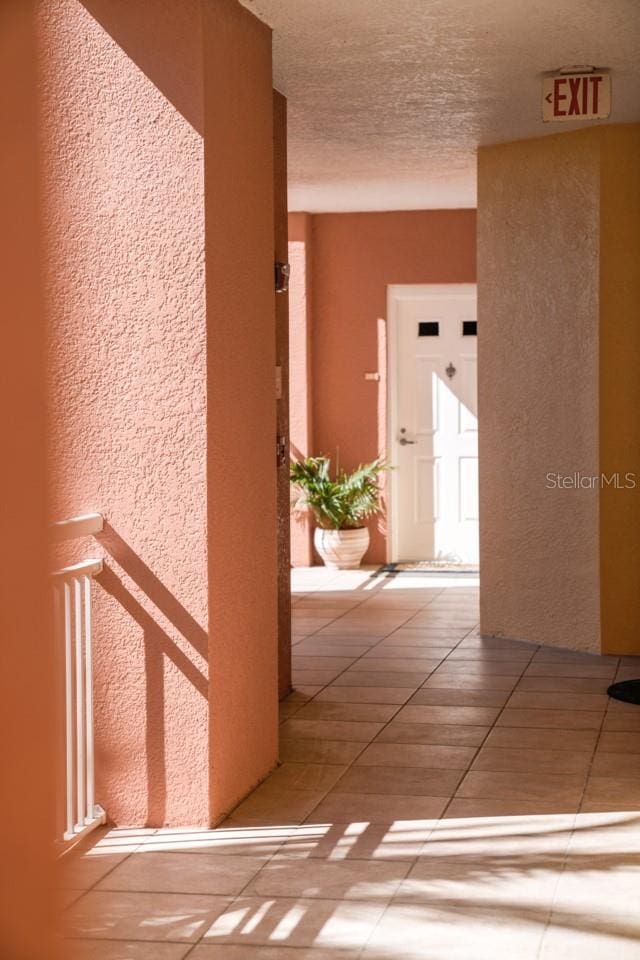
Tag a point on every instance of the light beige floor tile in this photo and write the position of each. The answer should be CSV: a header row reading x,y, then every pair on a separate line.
x,y
314,677
524,738
320,649
354,730
320,710
270,806
481,655
320,751
568,937
558,655
334,694
501,759
561,788
121,950
622,722
436,932
482,669
569,719
599,887
257,842
373,678
431,756
404,781
613,834
359,841
408,636
616,765
445,681
455,734
465,715
296,922
382,664
300,662
81,870
246,952
621,706
620,742
178,872
558,701
460,808
451,697
495,837
611,793
544,668
306,776
143,916
499,880
563,684
394,651
330,880
340,807
498,643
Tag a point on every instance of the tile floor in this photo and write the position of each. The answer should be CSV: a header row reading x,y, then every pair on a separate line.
x,y
440,797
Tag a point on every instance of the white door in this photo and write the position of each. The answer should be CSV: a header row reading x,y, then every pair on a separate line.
x,y
433,422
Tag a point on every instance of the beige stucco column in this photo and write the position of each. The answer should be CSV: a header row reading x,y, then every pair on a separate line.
x,y
559,290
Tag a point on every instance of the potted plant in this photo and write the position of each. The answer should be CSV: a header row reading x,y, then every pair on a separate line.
x,y
340,506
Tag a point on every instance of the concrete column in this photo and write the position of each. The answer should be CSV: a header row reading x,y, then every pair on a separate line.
x,y
558,281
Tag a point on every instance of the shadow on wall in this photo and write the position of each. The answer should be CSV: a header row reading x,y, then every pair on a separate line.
x,y
157,645
170,54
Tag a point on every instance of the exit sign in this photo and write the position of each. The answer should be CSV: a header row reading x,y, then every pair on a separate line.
x,y
576,96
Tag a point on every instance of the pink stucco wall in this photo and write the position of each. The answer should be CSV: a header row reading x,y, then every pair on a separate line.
x,y
161,282
353,257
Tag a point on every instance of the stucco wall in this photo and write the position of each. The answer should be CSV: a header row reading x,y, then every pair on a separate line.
x,y
620,387
27,806
160,214
538,262
282,403
128,385
241,342
354,256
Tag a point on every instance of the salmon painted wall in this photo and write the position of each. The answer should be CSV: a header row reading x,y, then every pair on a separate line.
x,y
26,663
282,402
354,256
162,293
241,358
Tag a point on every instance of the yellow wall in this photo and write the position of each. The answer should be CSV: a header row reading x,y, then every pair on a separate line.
x,y
620,387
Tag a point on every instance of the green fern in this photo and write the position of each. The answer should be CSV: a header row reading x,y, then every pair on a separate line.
x,y
341,503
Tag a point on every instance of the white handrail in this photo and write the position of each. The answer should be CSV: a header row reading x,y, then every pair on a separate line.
x,y
83,526
78,811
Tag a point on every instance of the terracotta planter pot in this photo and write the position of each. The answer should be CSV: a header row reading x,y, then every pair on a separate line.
x,y
341,549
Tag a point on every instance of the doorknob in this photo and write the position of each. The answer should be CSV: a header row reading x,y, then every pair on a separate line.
x,y
402,440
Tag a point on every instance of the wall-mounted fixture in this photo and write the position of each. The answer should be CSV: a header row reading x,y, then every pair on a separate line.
x,y
283,272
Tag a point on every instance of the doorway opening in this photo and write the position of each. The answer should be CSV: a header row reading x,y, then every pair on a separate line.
x,y
433,426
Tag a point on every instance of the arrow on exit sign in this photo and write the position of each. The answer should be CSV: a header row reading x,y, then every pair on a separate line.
x,y
576,96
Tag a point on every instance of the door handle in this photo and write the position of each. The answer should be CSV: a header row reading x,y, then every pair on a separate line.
x,y
404,442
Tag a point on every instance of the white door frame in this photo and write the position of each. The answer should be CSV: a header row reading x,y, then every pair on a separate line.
x,y
410,291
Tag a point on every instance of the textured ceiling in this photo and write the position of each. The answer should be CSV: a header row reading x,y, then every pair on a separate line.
x,y
388,99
